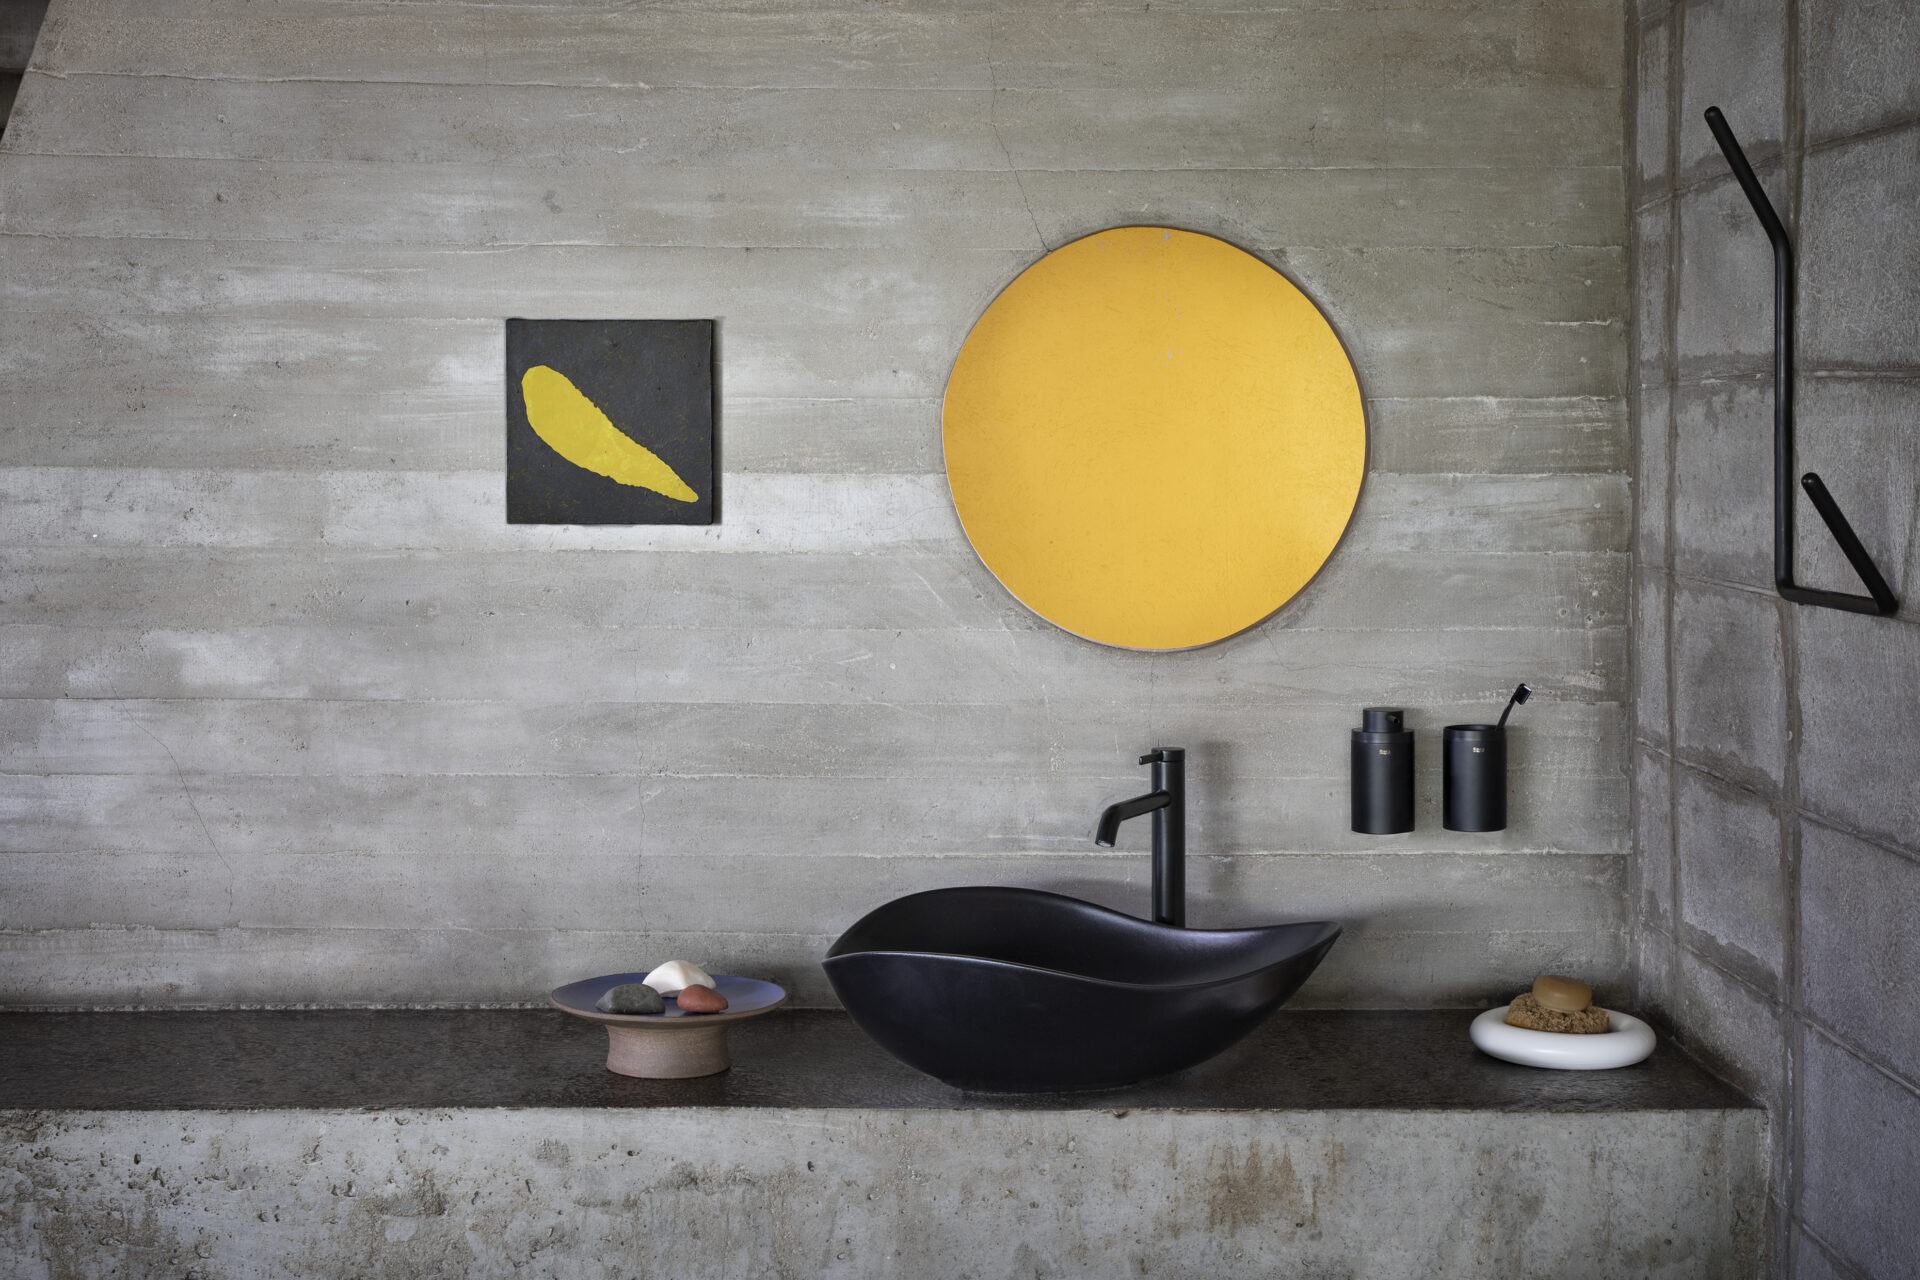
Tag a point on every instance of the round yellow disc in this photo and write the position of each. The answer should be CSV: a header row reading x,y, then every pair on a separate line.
x,y
1154,440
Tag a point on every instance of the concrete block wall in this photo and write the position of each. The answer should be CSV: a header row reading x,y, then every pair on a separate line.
x,y
1777,869
291,716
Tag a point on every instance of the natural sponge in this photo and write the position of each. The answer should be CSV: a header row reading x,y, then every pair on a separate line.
x,y
1558,1004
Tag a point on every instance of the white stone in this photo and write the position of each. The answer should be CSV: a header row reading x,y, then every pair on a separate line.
x,y
677,975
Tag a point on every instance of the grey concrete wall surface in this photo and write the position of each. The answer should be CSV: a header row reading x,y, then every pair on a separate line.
x,y
609,1195
1777,866
290,715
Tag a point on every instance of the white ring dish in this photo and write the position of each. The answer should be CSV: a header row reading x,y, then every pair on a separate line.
x,y
1629,1041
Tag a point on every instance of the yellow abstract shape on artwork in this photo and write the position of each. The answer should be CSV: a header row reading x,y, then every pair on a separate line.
x,y
578,431
1153,438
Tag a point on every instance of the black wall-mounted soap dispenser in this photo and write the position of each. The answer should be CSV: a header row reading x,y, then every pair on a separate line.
x,y
1382,773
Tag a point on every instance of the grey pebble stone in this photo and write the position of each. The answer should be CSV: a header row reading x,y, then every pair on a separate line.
x,y
631,997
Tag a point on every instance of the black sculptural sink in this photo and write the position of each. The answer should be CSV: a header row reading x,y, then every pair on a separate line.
x,y
1018,990
1023,991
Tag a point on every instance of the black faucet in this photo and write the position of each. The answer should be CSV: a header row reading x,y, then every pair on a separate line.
x,y
1167,802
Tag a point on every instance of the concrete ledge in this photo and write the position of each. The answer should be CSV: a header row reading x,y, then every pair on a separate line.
x,y
818,1155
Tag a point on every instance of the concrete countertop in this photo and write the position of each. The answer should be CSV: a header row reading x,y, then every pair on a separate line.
x,y
375,1060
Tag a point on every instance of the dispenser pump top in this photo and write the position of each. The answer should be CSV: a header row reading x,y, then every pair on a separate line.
x,y
1382,720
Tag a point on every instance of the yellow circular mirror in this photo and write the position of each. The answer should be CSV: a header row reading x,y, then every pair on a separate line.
x,y
1154,440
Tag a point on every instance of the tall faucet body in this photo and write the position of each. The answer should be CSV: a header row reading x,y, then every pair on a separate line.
x,y
1167,802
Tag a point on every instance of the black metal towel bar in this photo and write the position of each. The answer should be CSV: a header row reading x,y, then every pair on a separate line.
x,y
1881,600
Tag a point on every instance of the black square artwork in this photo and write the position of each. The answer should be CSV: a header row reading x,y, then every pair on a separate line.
x,y
610,422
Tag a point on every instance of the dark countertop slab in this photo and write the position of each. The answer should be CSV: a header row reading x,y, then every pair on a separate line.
x,y
377,1060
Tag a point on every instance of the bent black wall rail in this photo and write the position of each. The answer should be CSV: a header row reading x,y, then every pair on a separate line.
x,y
1880,599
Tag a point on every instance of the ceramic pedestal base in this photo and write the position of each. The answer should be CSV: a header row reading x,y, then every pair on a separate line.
x,y
669,1052
674,1045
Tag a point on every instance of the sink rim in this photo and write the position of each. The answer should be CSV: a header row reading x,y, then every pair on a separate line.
x,y
1324,935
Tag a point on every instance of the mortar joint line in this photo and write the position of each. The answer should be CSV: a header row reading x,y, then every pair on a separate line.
x,y
1709,177
1870,1058
1793,129
1891,846
1835,1258
1634,38
1669,369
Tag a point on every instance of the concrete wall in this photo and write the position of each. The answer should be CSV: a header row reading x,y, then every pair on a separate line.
x,y
291,715
1778,869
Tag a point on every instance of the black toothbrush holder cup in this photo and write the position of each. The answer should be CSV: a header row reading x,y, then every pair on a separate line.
x,y
1473,772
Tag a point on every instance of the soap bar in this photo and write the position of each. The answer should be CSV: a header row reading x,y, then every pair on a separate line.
x,y
675,976
701,1000
631,997
1528,1012
1564,994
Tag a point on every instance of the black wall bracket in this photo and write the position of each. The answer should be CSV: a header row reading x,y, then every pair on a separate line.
x,y
1880,599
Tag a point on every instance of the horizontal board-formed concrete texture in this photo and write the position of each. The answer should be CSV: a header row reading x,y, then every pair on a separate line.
x,y
1777,869
291,715
240,1151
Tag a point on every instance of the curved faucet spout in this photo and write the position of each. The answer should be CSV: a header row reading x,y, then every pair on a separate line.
x,y
1109,829
1167,802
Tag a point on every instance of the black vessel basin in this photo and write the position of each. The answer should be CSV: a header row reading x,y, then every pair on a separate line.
x,y
1018,990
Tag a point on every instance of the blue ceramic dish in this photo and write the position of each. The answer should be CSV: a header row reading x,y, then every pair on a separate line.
x,y
744,996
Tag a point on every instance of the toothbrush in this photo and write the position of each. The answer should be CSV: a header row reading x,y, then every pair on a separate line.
x,y
1520,695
